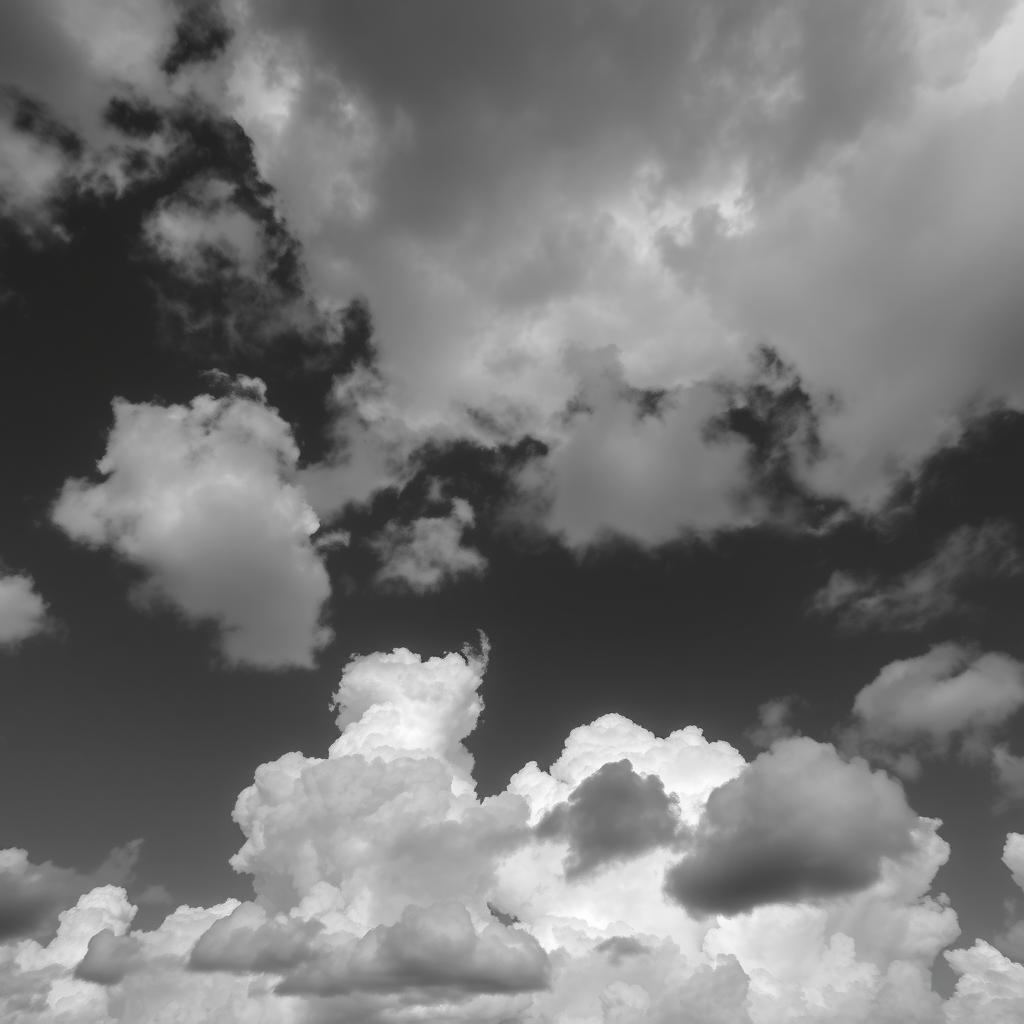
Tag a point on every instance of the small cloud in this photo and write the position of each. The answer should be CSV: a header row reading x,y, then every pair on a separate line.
x,y
931,591
23,613
774,722
203,499
928,704
422,555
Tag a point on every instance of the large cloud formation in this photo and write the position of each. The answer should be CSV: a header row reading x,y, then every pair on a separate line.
x,y
574,223
387,890
572,220
202,499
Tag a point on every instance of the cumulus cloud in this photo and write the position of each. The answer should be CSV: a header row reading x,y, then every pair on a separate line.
x,y
422,555
23,612
202,499
387,890
429,947
32,896
928,592
945,696
798,823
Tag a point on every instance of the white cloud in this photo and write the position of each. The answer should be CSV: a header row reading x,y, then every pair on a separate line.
x,y
379,876
945,695
422,555
202,498
23,612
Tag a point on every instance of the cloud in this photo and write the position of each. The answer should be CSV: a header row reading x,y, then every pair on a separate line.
x,y
32,896
108,958
376,868
943,696
671,187
989,985
928,592
435,947
664,180
246,941
422,555
614,814
774,722
23,613
202,499
799,823
1008,769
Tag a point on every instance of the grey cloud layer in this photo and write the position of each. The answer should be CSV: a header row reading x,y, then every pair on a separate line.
x,y
669,185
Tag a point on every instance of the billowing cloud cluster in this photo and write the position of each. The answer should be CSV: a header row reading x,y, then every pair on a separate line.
x,y
387,890
202,499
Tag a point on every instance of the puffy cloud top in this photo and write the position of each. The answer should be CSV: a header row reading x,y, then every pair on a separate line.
x,y
201,498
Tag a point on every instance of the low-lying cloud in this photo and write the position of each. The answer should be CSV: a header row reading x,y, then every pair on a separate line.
x,y
385,887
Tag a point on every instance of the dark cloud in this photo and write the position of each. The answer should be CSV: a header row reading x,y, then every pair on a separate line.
x,y
33,895
621,947
245,941
798,823
774,721
778,419
201,34
434,947
109,958
613,815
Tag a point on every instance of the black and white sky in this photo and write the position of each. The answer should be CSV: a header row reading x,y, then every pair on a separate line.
x,y
512,512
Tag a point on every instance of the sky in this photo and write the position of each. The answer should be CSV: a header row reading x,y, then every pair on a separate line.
x,y
512,512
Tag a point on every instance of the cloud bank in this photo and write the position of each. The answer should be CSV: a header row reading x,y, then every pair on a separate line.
x,y
386,889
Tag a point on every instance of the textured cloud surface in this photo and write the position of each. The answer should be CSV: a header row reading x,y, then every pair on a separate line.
x,y
573,220
201,498
387,890
944,696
